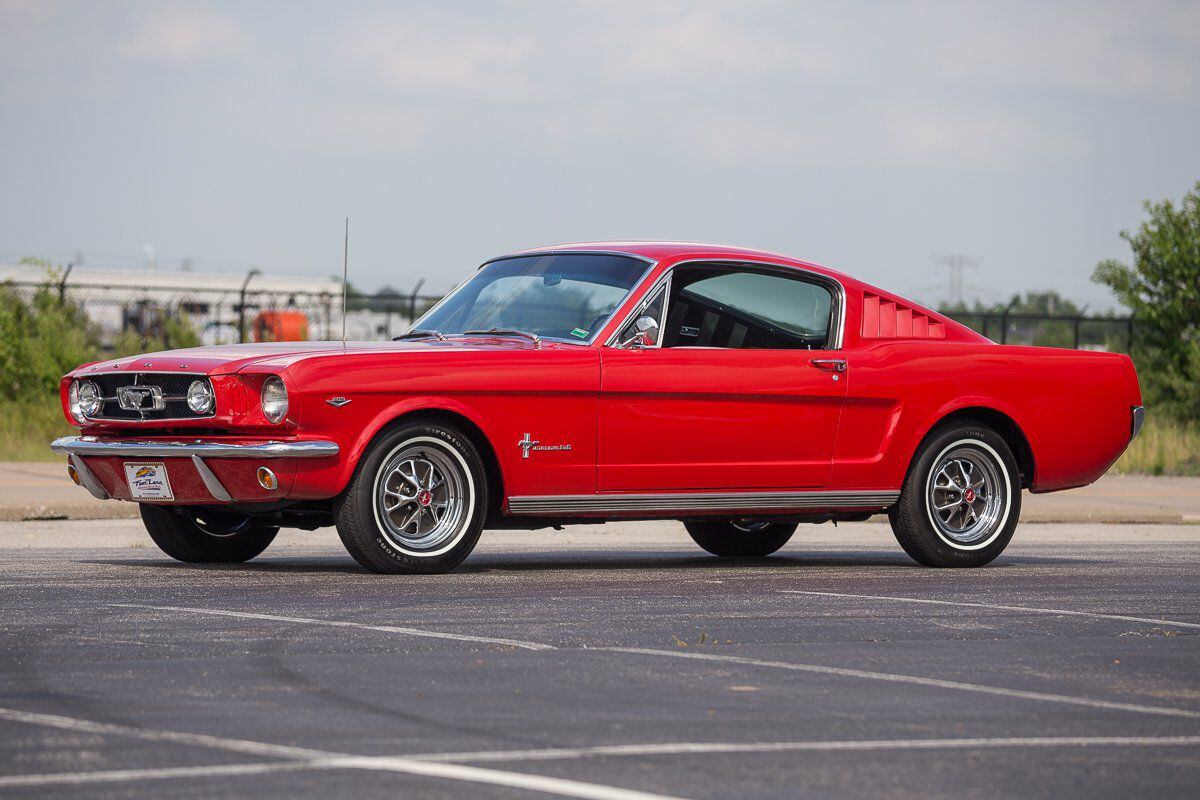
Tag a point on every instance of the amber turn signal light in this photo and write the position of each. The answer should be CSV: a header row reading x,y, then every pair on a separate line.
x,y
73,473
267,479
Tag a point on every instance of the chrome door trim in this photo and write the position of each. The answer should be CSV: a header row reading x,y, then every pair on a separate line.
x,y
670,503
837,324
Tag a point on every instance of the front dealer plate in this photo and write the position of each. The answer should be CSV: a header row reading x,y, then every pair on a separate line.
x,y
148,481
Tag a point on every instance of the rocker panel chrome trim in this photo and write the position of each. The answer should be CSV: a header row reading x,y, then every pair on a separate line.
x,y
732,501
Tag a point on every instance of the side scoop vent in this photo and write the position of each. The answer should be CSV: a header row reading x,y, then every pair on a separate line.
x,y
887,319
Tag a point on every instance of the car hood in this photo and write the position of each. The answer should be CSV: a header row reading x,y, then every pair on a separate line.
x,y
229,358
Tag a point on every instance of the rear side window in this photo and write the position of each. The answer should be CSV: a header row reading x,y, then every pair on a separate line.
x,y
748,309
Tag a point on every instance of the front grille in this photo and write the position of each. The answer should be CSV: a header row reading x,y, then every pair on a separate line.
x,y
174,386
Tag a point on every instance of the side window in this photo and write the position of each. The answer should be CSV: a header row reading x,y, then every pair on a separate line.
x,y
720,307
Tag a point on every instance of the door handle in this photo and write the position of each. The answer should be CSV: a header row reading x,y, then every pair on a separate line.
x,y
831,364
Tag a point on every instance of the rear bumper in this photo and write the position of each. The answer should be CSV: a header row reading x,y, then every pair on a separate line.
x,y
1138,414
201,472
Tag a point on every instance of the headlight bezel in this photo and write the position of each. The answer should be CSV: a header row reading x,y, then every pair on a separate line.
x,y
84,408
275,407
209,398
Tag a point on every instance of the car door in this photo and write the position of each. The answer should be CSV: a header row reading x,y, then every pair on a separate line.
x,y
733,387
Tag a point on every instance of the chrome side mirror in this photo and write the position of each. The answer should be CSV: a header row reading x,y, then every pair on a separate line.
x,y
645,334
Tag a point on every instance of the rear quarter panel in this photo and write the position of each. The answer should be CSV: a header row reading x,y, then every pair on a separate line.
x,y
1072,406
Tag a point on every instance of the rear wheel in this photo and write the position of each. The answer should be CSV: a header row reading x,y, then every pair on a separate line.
x,y
206,536
961,500
417,501
743,538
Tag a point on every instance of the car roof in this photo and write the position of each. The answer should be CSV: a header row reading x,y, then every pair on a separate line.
x,y
662,250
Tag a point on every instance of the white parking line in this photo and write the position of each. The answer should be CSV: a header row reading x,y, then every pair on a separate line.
x,y
439,765
319,759
978,688
788,665
563,787
702,748
175,737
160,773
459,637
1033,610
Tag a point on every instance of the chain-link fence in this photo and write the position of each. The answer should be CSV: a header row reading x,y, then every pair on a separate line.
x,y
223,309
228,308
1088,333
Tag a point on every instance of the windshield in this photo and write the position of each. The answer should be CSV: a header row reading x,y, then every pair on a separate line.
x,y
566,296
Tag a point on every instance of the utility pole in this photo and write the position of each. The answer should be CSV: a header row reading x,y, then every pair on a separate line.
x,y
956,264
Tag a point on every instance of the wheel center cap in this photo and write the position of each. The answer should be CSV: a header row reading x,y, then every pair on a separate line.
x,y
969,495
424,497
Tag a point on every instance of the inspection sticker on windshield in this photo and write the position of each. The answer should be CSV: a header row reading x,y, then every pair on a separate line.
x,y
580,332
148,481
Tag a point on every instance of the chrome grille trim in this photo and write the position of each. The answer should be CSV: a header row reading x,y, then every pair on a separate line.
x,y
145,378
724,501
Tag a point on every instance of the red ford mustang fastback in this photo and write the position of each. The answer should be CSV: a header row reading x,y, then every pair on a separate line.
x,y
738,391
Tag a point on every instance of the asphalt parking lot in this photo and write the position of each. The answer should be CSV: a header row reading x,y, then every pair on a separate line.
x,y
617,662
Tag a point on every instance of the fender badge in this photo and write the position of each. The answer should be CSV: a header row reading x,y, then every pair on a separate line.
x,y
528,444
339,401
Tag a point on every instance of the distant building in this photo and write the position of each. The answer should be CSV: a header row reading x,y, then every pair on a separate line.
x,y
212,302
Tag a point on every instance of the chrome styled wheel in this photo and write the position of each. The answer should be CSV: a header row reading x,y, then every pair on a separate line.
x,y
965,495
423,497
417,500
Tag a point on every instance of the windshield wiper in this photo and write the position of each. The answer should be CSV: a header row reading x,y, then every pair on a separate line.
x,y
421,334
506,332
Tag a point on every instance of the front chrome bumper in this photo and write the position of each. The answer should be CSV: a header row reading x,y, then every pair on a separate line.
x,y
136,448
1138,414
75,447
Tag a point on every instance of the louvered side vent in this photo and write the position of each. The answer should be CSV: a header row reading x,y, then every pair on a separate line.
x,y
886,319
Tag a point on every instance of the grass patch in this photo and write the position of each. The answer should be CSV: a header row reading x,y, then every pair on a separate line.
x,y
1164,447
26,430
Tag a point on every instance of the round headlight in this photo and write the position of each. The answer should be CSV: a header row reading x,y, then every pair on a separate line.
x,y
274,399
200,397
73,402
85,400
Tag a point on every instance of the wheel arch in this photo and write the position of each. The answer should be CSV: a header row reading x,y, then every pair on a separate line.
x,y
1001,423
458,420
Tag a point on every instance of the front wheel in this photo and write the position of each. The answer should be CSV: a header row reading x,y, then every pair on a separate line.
x,y
961,499
741,538
206,536
417,501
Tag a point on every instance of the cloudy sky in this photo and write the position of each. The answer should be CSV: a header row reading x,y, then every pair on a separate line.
x,y
872,137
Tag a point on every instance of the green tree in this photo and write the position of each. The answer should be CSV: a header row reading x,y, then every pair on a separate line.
x,y
1162,289
41,339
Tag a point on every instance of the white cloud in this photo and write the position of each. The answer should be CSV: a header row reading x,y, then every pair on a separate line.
x,y
183,34
1147,48
438,55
